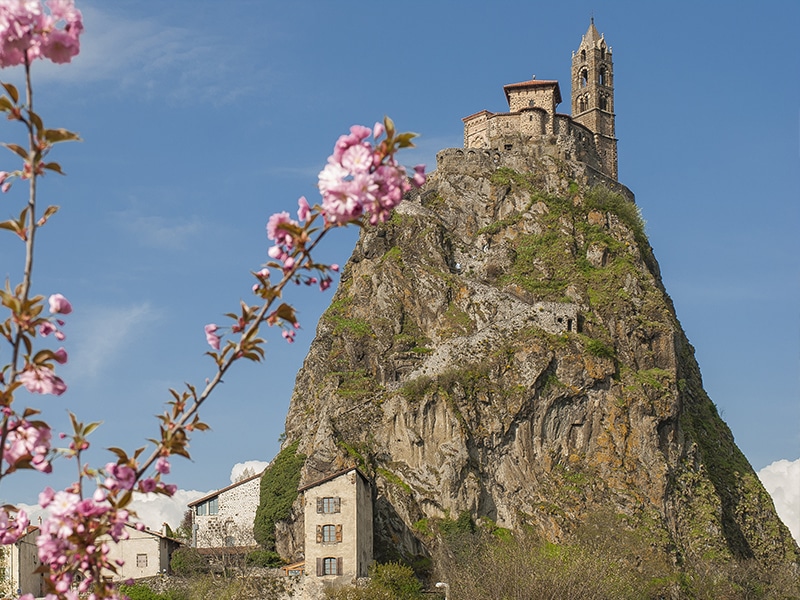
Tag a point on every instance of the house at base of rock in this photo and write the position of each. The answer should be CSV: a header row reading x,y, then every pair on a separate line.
x,y
338,529
224,518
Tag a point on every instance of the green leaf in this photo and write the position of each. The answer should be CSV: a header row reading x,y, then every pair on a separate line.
x,y
12,91
36,120
53,166
59,135
18,150
5,104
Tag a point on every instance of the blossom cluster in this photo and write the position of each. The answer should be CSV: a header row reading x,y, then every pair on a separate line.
x,y
29,444
28,32
69,540
362,178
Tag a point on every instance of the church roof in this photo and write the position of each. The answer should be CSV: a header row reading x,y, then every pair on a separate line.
x,y
533,83
592,35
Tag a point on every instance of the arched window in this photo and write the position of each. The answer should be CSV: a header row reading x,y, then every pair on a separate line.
x,y
602,51
584,77
582,104
331,566
603,76
583,54
603,102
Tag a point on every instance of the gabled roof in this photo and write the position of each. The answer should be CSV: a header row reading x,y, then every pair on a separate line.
x,y
225,489
534,83
333,476
477,114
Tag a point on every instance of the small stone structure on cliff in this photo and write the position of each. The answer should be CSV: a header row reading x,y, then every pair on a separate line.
x,y
587,136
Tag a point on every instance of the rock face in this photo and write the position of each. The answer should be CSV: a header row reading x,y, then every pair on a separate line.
x,y
504,347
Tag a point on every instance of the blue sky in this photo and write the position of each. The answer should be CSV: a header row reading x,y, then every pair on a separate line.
x,y
202,118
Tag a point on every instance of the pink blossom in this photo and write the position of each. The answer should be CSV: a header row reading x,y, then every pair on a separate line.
x,y
303,209
119,476
59,304
60,356
212,338
334,267
27,31
47,328
147,485
12,527
162,465
288,335
276,230
42,380
419,175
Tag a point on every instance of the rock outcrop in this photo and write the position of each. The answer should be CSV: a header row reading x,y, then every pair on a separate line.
x,y
504,347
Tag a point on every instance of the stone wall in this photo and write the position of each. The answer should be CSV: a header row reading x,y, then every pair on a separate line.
x,y
534,132
233,523
343,504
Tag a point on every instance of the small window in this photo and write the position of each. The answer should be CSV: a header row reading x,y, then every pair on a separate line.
x,y
141,560
583,54
329,534
329,505
602,76
329,566
200,509
584,77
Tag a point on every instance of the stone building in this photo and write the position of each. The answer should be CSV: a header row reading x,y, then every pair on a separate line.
x,y
143,553
338,529
532,120
224,518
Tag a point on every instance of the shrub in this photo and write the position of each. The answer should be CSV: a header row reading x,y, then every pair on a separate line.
x,y
264,558
186,562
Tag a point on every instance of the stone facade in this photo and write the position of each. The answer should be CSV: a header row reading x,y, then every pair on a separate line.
x,y
338,530
144,554
225,518
533,124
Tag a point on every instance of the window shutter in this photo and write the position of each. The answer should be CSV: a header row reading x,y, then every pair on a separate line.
x,y
319,505
319,567
319,534
337,505
339,569
338,533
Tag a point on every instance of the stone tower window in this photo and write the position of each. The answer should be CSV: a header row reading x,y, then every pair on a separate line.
x,y
603,102
603,76
583,54
584,77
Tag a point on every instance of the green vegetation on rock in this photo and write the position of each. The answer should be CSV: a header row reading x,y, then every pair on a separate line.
x,y
278,492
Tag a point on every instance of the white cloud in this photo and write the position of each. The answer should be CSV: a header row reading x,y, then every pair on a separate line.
x,y
782,480
101,335
153,510
160,232
155,60
256,466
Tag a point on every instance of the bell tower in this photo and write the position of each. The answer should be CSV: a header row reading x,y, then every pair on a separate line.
x,y
593,94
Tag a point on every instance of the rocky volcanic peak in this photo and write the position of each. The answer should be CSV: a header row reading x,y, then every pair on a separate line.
x,y
503,347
